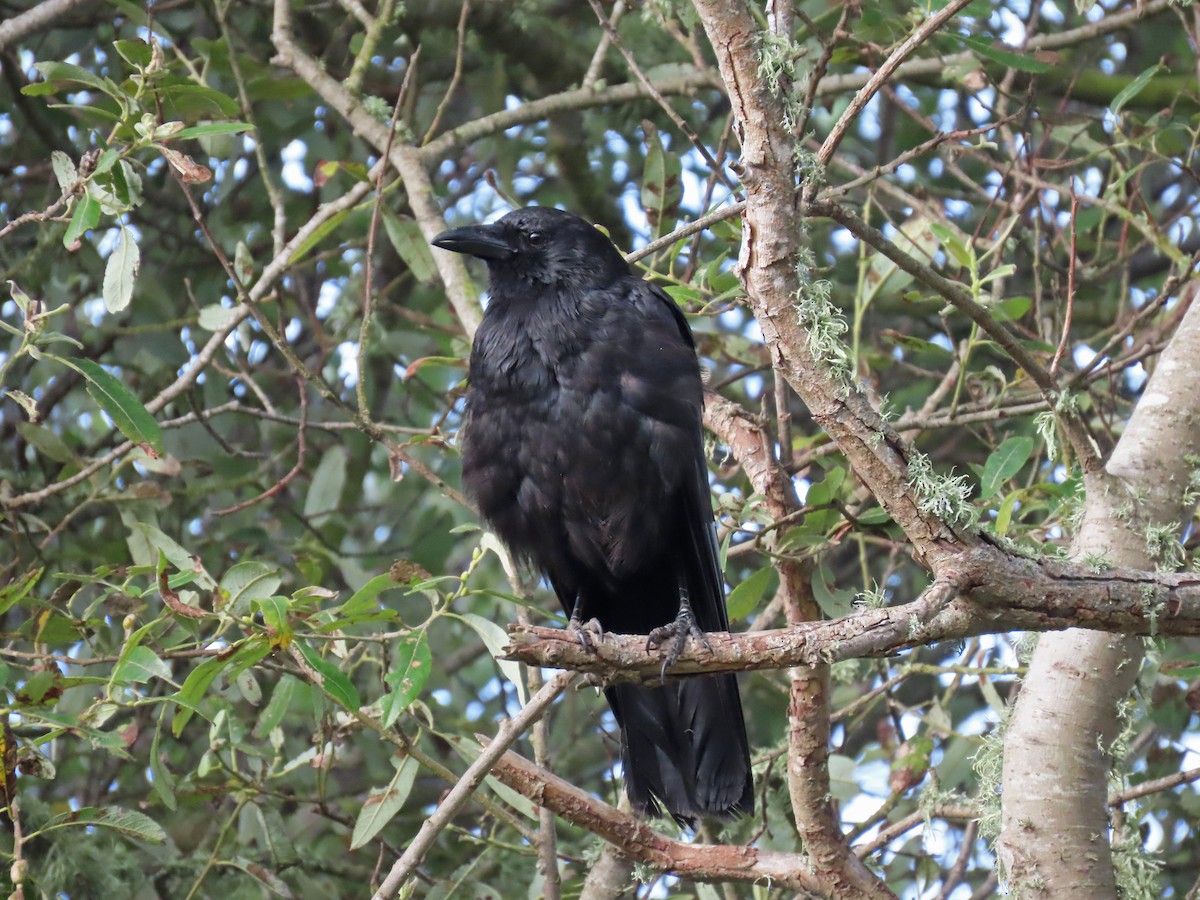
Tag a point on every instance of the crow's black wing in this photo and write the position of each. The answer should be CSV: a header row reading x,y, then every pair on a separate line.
x,y
684,744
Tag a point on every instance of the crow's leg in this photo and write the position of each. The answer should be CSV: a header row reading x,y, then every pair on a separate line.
x,y
678,632
587,631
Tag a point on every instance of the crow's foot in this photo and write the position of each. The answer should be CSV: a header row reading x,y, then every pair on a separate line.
x,y
677,633
589,633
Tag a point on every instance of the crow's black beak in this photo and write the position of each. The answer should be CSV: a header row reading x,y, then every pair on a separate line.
x,y
484,241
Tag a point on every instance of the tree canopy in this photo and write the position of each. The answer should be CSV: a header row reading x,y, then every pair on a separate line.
x,y
939,260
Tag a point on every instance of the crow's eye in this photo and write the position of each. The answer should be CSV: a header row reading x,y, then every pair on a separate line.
x,y
537,238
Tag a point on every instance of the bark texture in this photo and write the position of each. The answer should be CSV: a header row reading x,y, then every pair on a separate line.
x,y
1054,840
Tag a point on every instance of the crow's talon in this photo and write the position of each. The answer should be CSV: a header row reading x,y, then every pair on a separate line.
x,y
589,633
677,633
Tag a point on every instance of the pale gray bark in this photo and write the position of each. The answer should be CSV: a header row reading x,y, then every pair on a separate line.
x,y
1054,840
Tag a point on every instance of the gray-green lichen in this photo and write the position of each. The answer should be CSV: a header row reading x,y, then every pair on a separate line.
x,y
944,496
823,322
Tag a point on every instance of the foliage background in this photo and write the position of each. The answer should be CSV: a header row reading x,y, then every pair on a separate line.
x,y
232,382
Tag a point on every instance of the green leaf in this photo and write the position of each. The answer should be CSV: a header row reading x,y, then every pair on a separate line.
x,y
1134,88
249,687
20,298
826,489
120,272
216,317
138,54
251,651
64,169
265,878
382,804
495,639
682,293
278,706
414,663
335,682
101,740
1010,309
246,582
914,344
842,784
84,218
834,603
185,99
662,184
60,75
963,254
999,272
54,628
364,598
16,590
190,569
164,780
1011,59
318,234
274,611
406,237
1004,514
138,667
107,160
126,411
469,750
48,443
194,687
744,598
129,823
325,493
212,128
1179,668
271,833
116,182
1004,462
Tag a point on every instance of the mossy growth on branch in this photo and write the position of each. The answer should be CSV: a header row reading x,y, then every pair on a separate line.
x,y
823,322
944,496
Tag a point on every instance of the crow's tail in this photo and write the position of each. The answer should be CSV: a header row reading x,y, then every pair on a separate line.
x,y
684,747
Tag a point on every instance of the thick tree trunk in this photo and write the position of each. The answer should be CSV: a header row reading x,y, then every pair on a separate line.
x,y
1054,839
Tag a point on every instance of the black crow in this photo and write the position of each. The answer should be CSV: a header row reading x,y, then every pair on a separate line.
x,y
583,450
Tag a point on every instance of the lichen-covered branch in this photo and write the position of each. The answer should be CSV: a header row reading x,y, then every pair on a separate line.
x,y
817,823
984,591
797,323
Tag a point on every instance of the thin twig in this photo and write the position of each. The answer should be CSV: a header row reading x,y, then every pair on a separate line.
x,y
373,31
301,452
1153,786
506,735
454,79
884,74
653,91
597,63
700,224
369,294
1071,266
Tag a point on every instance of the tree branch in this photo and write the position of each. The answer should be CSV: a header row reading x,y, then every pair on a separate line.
x,y
506,735
983,591
638,841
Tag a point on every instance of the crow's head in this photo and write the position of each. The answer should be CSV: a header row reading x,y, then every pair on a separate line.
x,y
539,245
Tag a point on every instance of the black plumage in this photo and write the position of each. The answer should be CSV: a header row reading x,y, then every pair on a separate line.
x,y
582,447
